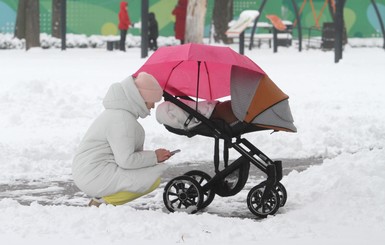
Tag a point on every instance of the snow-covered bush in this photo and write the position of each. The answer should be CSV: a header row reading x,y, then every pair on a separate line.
x,y
47,41
7,41
95,41
76,41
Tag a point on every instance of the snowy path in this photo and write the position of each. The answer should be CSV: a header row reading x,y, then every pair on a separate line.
x,y
59,192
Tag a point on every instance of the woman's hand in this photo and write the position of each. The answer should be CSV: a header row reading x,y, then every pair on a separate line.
x,y
162,155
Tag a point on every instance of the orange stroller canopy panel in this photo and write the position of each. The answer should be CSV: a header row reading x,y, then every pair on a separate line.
x,y
267,95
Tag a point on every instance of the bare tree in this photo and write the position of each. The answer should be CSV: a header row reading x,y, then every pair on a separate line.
x,y
222,15
28,22
195,21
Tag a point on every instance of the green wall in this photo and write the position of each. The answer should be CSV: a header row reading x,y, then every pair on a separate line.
x,y
99,17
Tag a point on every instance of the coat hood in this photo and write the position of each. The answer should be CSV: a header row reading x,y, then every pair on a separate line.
x,y
125,96
123,5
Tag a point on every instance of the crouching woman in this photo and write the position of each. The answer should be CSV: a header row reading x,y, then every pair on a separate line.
x,y
110,164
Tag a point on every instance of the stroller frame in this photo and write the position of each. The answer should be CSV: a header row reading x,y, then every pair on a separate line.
x,y
195,190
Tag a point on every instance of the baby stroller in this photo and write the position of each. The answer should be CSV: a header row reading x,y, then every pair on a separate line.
x,y
259,105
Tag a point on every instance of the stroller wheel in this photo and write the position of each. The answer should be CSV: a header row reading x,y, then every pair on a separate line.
x,y
202,178
260,207
281,190
183,194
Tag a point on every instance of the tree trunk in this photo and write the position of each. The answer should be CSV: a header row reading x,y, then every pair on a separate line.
x,y
20,20
56,8
28,22
222,15
32,35
195,21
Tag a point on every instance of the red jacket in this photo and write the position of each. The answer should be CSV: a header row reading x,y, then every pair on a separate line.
x,y
124,19
180,12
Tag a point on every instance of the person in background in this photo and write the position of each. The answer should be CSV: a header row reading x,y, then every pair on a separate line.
x,y
153,32
110,164
124,24
180,12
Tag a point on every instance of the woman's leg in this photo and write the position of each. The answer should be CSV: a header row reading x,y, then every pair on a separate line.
x,y
155,44
122,44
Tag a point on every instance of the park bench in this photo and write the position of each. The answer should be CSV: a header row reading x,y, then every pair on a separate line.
x,y
278,30
282,32
237,29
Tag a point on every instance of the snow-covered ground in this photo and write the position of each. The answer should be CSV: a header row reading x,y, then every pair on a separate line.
x,y
48,98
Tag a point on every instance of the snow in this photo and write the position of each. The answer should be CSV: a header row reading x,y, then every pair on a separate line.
x,y
48,98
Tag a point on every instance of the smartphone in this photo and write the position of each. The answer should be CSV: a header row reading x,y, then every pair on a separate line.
x,y
173,152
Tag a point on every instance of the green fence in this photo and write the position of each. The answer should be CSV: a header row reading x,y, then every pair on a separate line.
x,y
99,17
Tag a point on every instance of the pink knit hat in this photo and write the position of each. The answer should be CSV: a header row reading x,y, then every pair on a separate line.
x,y
148,87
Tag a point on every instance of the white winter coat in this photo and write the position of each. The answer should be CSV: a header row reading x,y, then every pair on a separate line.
x,y
110,157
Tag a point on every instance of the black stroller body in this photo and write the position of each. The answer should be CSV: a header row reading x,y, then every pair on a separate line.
x,y
195,190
